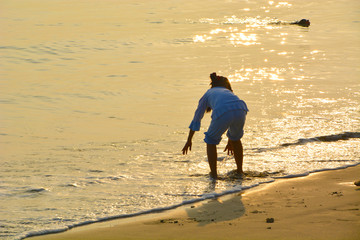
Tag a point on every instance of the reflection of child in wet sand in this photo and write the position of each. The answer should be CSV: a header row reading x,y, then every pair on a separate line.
x,y
229,113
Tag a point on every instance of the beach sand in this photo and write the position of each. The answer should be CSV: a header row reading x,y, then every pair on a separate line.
x,y
323,205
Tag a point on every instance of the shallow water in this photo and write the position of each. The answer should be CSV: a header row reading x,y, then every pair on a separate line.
x,y
96,98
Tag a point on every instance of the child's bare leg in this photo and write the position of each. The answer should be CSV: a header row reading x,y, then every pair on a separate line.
x,y
212,158
238,154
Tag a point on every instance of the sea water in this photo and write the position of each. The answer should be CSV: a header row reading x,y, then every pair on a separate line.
x,y
96,98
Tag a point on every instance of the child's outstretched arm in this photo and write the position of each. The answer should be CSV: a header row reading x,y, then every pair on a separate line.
x,y
188,144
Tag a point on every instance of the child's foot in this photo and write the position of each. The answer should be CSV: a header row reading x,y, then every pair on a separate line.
x,y
213,176
240,171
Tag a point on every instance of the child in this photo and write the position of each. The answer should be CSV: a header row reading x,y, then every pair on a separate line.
x,y
229,113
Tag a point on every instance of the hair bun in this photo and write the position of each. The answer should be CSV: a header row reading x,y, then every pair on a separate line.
x,y
213,77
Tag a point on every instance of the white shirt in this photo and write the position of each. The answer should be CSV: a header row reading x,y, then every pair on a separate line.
x,y
220,100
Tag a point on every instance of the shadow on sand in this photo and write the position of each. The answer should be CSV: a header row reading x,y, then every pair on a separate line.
x,y
217,210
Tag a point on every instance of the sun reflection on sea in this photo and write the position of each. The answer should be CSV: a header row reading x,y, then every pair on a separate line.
x,y
274,38
257,74
199,38
243,30
232,35
243,39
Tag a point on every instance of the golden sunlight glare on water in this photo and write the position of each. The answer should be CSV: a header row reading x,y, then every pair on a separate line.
x,y
257,74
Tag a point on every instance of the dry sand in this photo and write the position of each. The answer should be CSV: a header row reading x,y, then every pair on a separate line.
x,y
323,205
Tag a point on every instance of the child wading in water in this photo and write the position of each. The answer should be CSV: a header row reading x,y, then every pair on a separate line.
x,y
229,113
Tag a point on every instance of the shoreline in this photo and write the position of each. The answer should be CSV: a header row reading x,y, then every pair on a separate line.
x,y
321,205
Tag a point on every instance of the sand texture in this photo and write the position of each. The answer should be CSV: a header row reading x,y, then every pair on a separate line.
x,y
323,205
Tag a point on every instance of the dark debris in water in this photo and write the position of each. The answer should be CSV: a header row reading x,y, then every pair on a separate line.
x,y
95,171
36,190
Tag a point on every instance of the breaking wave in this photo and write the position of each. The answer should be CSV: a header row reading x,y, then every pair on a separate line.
x,y
327,138
302,141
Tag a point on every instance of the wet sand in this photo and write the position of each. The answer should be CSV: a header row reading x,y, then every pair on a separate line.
x,y
323,205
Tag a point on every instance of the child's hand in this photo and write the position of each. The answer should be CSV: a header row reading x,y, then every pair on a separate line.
x,y
187,147
229,148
